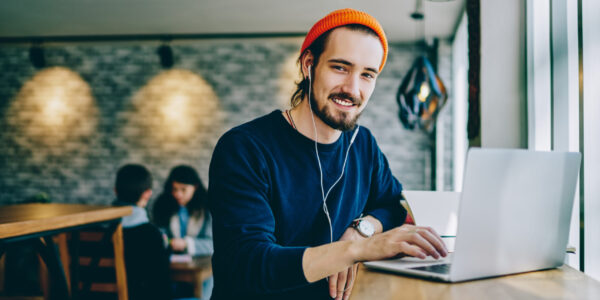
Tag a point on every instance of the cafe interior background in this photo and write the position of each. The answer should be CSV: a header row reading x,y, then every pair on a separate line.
x,y
87,86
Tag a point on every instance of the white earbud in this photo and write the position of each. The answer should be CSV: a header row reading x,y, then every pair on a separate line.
x,y
309,72
354,135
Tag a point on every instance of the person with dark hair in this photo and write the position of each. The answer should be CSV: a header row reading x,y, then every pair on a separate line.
x,y
299,197
181,212
146,257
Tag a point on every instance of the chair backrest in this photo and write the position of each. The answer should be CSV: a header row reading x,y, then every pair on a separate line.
x,y
98,265
410,218
2,271
438,210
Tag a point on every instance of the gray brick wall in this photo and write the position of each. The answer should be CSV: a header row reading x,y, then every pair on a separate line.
x,y
115,112
445,73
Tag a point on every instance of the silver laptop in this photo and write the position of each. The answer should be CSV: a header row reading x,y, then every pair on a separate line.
x,y
514,216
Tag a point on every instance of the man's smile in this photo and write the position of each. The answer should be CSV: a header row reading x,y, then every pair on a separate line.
x,y
344,101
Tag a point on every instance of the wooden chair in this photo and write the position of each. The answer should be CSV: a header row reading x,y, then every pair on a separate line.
x,y
2,276
410,218
98,264
2,272
60,241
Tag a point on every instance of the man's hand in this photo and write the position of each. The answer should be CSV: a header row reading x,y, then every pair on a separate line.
x,y
321,261
417,241
341,284
178,244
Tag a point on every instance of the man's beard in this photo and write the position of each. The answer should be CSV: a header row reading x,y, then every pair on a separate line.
x,y
344,123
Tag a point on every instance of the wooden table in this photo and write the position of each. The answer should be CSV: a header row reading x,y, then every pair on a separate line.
x,y
194,272
562,283
36,223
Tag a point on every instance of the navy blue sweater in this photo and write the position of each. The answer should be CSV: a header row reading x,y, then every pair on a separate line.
x,y
266,202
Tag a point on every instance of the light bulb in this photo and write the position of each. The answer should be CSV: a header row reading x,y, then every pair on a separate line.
x,y
423,92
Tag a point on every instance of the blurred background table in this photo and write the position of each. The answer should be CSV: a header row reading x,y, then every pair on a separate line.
x,y
193,270
36,223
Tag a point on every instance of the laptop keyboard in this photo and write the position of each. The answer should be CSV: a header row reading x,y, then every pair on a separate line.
x,y
441,269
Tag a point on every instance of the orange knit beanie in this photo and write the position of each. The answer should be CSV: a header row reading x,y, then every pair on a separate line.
x,y
344,17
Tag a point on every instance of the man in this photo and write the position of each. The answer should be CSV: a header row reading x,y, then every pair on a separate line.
x,y
146,257
299,197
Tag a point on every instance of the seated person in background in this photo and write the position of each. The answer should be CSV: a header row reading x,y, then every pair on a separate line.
x,y
181,212
146,258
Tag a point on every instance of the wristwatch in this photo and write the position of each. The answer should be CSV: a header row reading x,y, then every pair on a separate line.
x,y
364,227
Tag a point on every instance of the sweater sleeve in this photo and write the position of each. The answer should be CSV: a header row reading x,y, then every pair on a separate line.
x,y
246,251
203,243
385,193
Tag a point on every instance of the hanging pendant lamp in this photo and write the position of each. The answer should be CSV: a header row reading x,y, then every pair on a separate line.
x,y
421,96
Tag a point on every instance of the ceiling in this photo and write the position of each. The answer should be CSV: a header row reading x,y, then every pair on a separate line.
x,y
60,18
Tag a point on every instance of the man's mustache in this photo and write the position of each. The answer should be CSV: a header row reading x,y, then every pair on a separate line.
x,y
345,96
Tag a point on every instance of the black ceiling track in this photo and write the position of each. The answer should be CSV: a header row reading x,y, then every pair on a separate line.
x,y
147,37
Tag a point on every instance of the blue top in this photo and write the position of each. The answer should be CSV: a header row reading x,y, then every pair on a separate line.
x,y
197,233
183,219
266,202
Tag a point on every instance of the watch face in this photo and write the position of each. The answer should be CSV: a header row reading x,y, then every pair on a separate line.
x,y
366,228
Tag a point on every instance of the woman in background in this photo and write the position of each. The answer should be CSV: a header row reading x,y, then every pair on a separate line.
x,y
181,212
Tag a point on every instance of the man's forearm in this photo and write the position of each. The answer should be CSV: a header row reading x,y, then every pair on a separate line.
x,y
322,261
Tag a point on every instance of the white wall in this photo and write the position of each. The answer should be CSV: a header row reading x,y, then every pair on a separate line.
x,y
591,135
503,74
539,73
563,112
460,66
565,97
552,86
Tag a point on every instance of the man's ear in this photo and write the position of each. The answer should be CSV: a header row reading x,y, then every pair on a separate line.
x,y
306,61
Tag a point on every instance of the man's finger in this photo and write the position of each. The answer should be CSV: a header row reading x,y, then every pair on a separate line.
x,y
435,240
333,285
438,237
351,280
418,240
341,284
412,250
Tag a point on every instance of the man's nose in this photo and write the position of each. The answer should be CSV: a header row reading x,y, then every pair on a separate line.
x,y
351,86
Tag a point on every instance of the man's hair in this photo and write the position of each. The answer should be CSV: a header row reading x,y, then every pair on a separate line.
x,y
132,181
317,48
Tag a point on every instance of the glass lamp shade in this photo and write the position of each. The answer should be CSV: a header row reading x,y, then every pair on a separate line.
x,y
421,96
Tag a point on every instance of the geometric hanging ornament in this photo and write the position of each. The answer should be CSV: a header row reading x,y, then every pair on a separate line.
x,y
421,96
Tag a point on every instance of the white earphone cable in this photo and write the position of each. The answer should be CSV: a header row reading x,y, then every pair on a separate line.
x,y
323,194
325,209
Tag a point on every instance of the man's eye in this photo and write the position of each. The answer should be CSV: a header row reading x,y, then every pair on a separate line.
x,y
339,68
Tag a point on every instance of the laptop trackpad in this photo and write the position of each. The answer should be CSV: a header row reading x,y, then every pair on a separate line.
x,y
428,259
440,269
